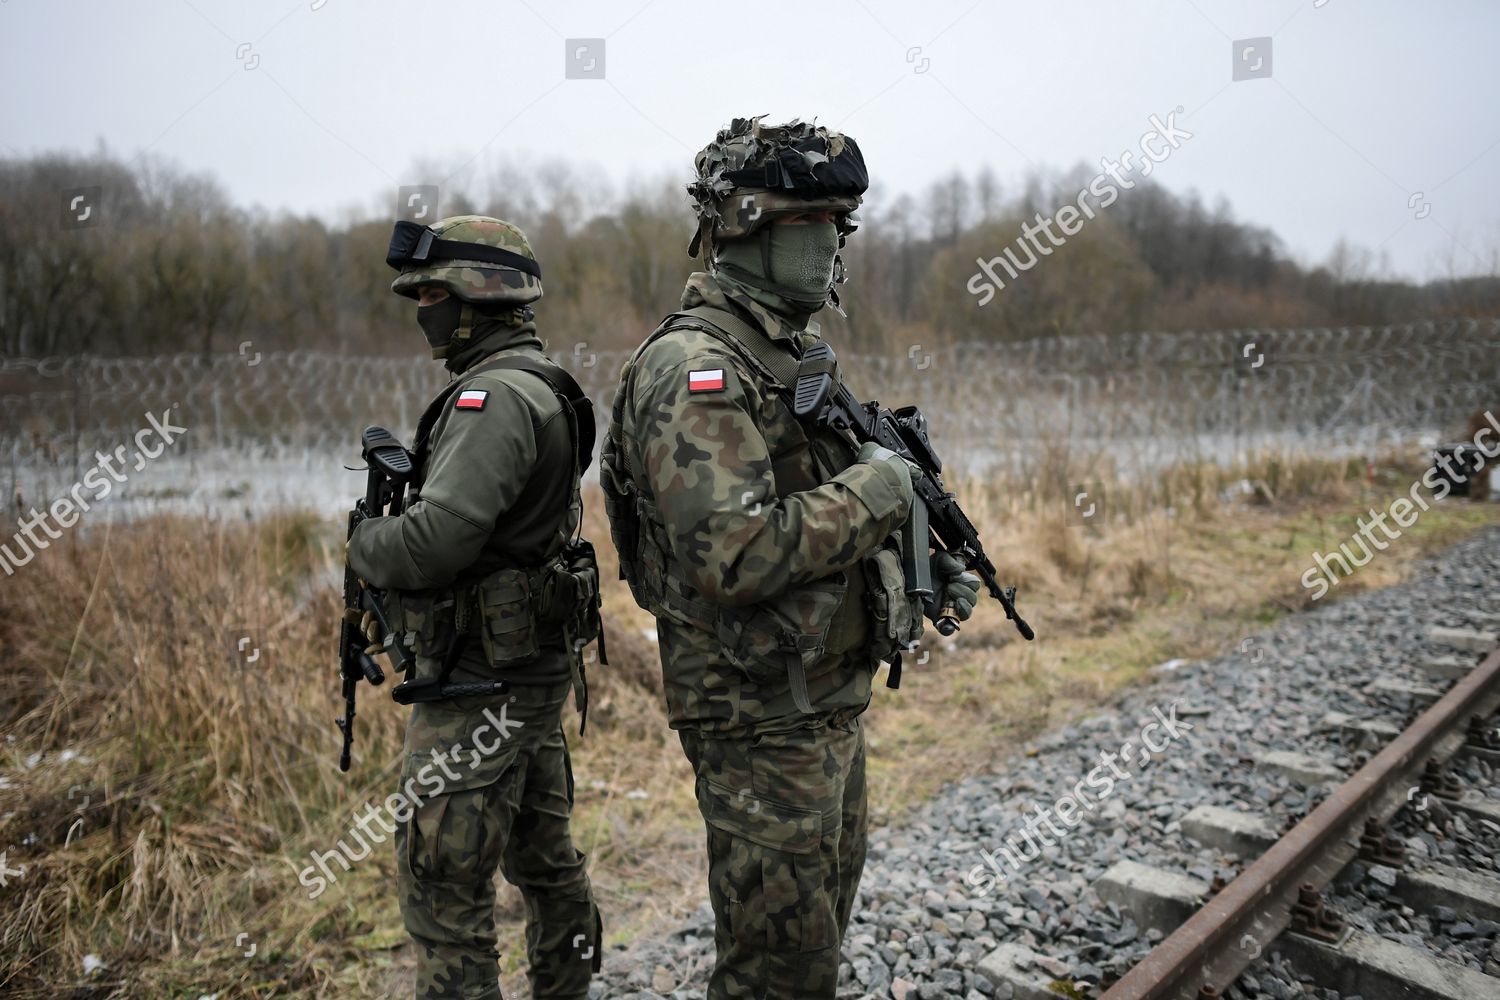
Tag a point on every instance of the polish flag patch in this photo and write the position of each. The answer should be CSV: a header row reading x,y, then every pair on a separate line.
x,y
471,399
708,380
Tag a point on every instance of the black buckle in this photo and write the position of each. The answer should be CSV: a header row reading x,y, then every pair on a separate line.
x,y
410,242
424,247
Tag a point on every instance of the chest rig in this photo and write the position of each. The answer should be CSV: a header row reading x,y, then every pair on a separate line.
x,y
509,608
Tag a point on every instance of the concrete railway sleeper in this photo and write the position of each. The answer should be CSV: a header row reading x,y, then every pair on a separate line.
x,y
1278,903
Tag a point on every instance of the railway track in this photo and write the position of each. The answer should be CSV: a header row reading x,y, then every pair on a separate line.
x,y
1067,870
1348,900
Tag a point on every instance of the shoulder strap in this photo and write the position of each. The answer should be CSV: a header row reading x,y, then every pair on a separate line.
x,y
745,339
565,386
783,367
756,345
734,332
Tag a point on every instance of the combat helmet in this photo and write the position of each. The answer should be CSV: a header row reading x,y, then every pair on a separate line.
x,y
752,173
483,261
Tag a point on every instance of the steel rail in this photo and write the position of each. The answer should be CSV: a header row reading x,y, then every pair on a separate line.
x,y
1210,949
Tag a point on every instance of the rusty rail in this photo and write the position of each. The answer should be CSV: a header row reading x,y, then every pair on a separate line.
x,y
1211,948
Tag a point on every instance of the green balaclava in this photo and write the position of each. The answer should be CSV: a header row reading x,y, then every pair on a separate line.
x,y
490,328
439,322
787,267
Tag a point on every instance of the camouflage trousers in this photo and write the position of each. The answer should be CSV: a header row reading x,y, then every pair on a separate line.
x,y
786,818
501,791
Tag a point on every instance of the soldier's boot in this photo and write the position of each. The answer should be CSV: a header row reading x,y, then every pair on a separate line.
x,y
564,943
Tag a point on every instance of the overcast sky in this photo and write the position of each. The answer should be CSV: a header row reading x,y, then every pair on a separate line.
x,y
1378,123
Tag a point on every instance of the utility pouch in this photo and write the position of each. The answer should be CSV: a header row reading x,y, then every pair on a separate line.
x,y
656,581
508,624
570,597
622,505
570,593
896,618
777,641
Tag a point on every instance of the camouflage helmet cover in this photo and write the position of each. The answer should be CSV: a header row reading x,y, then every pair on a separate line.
x,y
479,282
752,173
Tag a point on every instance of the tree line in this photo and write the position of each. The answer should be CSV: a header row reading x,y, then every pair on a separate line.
x,y
106,256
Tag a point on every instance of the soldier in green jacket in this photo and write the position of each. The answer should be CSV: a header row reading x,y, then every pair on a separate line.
x,y
768,551
482,589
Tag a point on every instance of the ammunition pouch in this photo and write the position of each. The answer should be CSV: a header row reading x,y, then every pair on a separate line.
x,y
509,629
501,610
515,614
896,619
423,620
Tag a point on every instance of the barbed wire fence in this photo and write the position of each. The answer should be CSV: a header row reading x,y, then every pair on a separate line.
x,y
1137,401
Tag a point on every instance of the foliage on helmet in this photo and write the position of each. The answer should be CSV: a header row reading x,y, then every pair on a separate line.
x,y
752,174
480,282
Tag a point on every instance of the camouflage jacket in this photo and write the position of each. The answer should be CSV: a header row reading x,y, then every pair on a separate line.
x,y
498,491
751,532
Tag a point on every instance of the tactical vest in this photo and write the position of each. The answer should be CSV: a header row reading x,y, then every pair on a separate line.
x,y
646,563
512,610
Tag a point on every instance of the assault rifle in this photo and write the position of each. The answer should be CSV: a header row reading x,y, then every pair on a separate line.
x,y
389,467
822,398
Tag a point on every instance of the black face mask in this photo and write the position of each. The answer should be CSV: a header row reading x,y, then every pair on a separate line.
x,y
439,322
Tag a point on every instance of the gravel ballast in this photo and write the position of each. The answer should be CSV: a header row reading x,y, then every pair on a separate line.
x,y
1189,736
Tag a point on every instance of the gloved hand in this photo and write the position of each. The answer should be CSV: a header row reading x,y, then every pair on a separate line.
x,y
873,454
370,626
952,586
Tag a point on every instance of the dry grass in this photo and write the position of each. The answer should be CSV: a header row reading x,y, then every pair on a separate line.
x,y
162,795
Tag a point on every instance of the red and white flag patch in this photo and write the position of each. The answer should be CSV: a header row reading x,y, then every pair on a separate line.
x,y
471,399
708,380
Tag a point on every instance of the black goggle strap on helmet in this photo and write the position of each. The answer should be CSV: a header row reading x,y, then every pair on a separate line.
x,y
412,243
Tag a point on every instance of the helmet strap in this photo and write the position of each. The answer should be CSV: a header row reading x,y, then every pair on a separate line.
x,y
465,327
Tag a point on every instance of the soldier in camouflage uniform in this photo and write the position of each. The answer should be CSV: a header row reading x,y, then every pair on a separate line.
x,y
481,589
767,550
